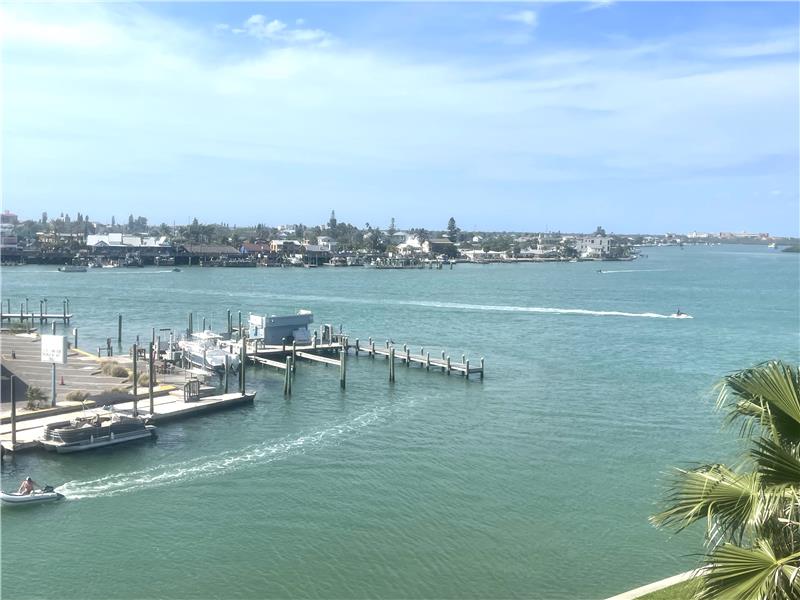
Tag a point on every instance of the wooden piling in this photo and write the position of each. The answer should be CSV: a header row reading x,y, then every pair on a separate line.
x,y
135,379
190,330
342,368
242,365
466,371
230,323
151,378
204,324
481,367
227,369
428,361
287,377
408,357
443,357
53,327
75,336
391,365
357,348
240,326
294,353
13,380
448,365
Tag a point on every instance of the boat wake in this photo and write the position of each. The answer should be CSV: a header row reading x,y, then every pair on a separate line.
x,y
221,464
603,271
487,307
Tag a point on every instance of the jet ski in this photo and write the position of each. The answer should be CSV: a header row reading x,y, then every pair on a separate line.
x,y
46,494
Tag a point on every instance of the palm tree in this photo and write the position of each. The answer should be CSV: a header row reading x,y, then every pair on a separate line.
x,y
752,511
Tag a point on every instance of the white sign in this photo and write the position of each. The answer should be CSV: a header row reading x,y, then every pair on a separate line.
x,y
54,349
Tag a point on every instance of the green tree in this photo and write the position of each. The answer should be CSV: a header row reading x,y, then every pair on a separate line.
x,y
452,230
752,512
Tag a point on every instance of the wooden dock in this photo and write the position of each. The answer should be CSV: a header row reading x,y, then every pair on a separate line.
x,y
32,317
169,407
423,359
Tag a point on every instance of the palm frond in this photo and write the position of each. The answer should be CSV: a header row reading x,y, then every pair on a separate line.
x,y
778,464
728,500
750,574
767,394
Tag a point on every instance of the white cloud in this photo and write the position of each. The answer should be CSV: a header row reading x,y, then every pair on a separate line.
x,y
159,98
526,17
594,5
275,30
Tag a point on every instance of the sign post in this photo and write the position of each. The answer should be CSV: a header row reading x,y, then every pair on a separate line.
x,y
54,351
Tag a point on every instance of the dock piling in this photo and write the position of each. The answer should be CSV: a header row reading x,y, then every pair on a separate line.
x,y
135,379
151,378
466,371
391,365
53,328
343,368
190,330
481,367
242,360
75,337
13,380
119,329
227,368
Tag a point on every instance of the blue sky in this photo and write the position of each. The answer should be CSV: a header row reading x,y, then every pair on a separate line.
x,y
641,117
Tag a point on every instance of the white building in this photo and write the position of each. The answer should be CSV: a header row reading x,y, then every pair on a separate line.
x,y
596,246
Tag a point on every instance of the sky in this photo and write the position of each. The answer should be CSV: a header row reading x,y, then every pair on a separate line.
x,y
641,117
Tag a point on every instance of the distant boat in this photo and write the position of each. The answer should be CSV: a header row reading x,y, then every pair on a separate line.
x,y
72,269
772,245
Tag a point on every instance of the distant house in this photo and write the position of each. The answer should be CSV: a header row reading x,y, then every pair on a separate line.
x,y
597,246
284,246
197,253
439,246
258,248
315,254
326,242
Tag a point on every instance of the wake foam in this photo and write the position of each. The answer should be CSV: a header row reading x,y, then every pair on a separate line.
x,y
222,464
483,307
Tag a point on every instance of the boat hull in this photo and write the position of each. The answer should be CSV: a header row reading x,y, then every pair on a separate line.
x,y
34,498
98,441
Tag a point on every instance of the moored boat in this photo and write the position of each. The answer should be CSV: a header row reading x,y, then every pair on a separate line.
x,y
94,431
203,352
72,269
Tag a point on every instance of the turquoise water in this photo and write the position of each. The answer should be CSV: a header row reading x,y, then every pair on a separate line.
x,y
536,482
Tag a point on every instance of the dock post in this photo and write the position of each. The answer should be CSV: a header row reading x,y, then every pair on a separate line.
x,y
53,327
151,370
53,387
119,329
283,344
230,323
466,371
190,329
41,311
204,323
443,359
12,381
8,302
227,368
294,353
391,365
408,357
371,349
463,358
98,352
287,377
242,365
315,340
481,367
63,307
448,365
21,309
67,299
357,348
135,380
343,369
75,336
240,326
428,361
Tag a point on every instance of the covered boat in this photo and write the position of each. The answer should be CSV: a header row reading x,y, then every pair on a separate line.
x,y
203,352
94,431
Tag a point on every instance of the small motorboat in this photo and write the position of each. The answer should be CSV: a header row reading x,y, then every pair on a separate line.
x,y
97,431
46,494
